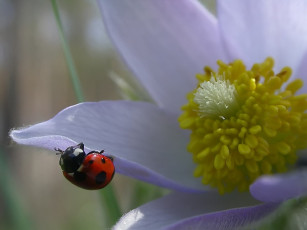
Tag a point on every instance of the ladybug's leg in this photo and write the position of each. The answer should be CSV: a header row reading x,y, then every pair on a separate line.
x,y
93,152
59,151
111,158
81,146
101,152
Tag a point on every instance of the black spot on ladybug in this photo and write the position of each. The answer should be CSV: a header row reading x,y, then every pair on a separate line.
x,y
101,177
91,162
79,176
103,160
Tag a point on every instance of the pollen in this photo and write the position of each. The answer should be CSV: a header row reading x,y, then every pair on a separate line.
x,y
244,123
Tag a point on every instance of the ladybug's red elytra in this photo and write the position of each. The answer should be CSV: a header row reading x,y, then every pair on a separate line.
x,y
89,171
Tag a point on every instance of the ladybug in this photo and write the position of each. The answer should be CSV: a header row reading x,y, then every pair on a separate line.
x,y
89,171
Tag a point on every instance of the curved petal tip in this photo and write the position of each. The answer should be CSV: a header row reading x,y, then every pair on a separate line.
x,y
280,187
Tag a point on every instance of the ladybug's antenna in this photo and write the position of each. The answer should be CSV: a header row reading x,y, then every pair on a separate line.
x,y
58,151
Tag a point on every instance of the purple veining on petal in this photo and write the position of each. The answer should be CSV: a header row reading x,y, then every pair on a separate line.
x,y
165,43
176,207
226,220
145,141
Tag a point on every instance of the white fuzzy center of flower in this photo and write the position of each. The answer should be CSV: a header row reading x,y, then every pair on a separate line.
x,y
216,98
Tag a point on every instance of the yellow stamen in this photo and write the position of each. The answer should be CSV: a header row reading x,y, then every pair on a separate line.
x,y
244,123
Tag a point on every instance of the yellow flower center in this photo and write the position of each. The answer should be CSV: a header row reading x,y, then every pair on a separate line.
x,y
244,123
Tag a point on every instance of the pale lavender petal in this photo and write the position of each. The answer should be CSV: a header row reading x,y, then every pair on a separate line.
x,y
259,28
145,141
175,207
280,187
165,43
232,219
302,73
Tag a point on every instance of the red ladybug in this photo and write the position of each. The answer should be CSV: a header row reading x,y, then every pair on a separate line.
x,y
89,171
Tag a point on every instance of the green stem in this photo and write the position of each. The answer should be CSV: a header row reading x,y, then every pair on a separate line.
x,y
107,193
11,197
110,201
71,66
144,193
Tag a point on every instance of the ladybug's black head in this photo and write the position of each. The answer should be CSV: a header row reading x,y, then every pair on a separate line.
x,y
72,158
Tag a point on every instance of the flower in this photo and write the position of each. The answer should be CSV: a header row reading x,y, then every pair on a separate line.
x,y
166,43
244,124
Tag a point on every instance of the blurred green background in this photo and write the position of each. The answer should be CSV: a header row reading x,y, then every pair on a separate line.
x,y
35,85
